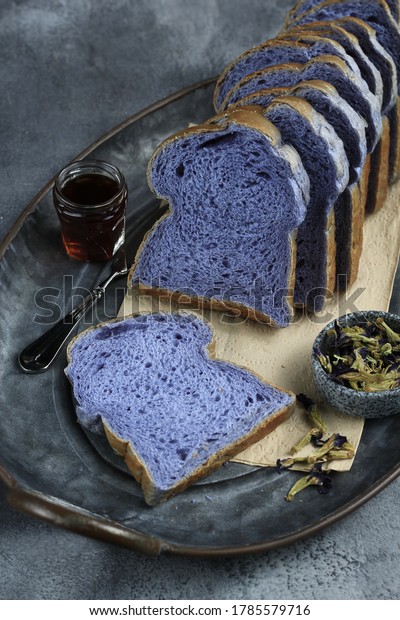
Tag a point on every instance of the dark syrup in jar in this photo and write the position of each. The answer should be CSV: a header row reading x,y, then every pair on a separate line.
x,y
90,189
91,207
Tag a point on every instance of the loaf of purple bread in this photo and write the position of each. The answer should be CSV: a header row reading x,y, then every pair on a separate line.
x,y
237,196
174,413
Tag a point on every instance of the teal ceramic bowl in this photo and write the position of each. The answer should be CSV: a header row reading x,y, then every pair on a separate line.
x,y
346,400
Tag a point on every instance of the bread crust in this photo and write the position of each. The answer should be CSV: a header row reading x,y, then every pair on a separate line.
x,y
294,66
285,38
371,100
379,173
395,135
137,466
201,304
357,236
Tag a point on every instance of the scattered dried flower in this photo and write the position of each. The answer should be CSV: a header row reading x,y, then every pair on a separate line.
x,y
316,477
334,447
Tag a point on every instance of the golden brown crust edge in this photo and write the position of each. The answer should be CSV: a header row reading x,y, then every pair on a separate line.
x,y
379,174
357,233
268,43
183,300
335,61
395,136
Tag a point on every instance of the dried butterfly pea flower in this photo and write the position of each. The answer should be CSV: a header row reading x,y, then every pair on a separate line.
x,y
391,335
324,361
337,453
333,443
282,464
316,477
315,435
336,447
361,338
312,412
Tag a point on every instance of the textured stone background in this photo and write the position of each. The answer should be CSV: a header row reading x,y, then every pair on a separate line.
x,y
69,71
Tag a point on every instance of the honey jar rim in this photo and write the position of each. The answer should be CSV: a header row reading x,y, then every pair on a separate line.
x,y
88,164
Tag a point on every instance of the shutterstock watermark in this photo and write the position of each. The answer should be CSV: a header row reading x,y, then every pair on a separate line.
x,y
236,303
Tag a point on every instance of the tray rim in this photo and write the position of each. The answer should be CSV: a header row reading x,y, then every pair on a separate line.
x,y
71,517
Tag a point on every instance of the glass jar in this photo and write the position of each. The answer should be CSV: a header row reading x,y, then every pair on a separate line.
x,y
90,197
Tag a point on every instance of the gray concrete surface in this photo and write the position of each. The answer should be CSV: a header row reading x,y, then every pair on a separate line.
x,y
69,71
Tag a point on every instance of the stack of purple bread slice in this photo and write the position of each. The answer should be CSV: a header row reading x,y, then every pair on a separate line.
x,y
268,198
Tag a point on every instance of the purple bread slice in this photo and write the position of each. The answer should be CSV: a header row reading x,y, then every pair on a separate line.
x,y
377,54
275,52
237,195
325,162
172,411
350,127
327,68
306,5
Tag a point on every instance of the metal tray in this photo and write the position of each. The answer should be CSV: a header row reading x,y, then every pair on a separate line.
x,y
56,473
